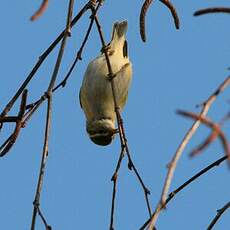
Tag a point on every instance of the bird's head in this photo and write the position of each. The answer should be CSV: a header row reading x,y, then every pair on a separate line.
x,y
118,42
101,132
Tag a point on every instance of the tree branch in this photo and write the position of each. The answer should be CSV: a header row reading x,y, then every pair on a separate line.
x,y
218,215
172,165
123,139
48,115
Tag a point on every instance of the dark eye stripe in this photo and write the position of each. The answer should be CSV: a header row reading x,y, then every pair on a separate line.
x,y
125,49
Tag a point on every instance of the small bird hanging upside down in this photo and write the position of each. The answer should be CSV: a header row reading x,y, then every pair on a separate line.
x,y
96,96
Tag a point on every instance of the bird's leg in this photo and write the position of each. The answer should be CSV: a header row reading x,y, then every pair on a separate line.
x,y
112,76
105,48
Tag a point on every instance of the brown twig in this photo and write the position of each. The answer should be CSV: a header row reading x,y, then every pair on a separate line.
x,y
9,119
10,141
48,115
212,10
79,53
172,165
48,227
188,182
218,215
204,144
6,146
209,139
40,11
123,139
196,176
41,59
114,179
215,127
144,10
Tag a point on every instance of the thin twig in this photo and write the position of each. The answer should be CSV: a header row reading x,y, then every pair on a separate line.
x,y
215,127
201,173
114,179
209,139
79,53
36,202
9,119
218,215
188,182
10,141
204,144
179,151
123,139
6,146
48,227
40,11
41,59
33,109
48,115
212,10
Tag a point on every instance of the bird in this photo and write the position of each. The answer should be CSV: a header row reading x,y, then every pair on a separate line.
x,y
96,97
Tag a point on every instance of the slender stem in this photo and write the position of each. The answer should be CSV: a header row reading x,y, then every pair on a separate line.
x,y
41,59
196,176
48,116
123,139
114,179
62,48
188,182
215,127
218,215
172,165
40,11
7,145
79,53
36,202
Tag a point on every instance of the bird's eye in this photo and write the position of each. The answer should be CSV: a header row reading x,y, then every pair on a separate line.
x,y
125,49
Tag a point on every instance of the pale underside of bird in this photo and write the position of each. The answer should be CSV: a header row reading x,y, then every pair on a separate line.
x,y
96,97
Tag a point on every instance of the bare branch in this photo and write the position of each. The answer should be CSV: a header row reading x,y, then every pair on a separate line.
x,y
218,215
188,182
40,11
48,115
204,145
123,139
42,58
114,179
209,139
195,177
10,141
79,53
212,10
215,127
172,165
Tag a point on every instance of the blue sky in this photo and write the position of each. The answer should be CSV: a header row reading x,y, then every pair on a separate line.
x,y
173,70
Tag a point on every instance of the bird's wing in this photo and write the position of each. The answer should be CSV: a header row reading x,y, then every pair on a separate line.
x,y
122,82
